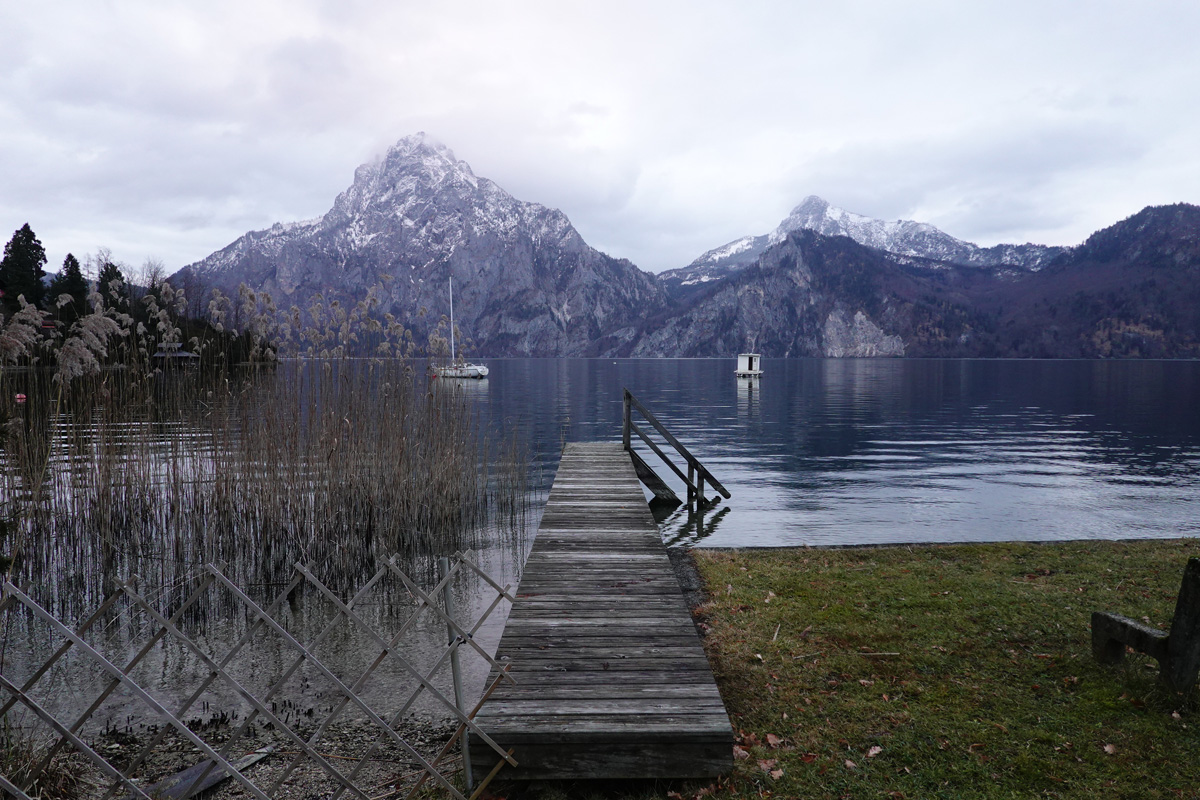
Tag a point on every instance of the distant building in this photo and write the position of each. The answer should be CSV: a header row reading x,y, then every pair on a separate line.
x,y
749,365
171,356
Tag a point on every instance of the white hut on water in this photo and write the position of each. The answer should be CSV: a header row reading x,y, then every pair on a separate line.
x,y
170,354
749,365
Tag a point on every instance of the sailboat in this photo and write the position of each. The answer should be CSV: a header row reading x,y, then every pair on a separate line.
x,y
455,369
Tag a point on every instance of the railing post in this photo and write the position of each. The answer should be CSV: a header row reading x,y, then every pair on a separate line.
x,y
625,420
696,474
455,670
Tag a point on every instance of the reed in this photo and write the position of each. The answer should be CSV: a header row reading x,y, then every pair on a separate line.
x,y
20,752
118,466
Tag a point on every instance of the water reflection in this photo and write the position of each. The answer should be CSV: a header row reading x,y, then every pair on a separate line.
x,y
692,523
261,657
747,392
336,465
863,450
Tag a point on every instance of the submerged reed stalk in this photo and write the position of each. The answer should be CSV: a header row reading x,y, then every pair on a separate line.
x,y
120,464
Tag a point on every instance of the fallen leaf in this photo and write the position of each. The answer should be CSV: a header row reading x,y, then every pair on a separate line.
x,y
808,758
865,682
739,753
874,751
776,774
1175,715
1111,749
770,594
850,764
758,656
767,764
773,741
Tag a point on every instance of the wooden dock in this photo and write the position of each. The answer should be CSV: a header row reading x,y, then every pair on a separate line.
x,y
612,681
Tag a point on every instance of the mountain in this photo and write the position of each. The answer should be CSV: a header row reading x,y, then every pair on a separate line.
x,y
823,296
916,240
1130,290
825,283
525,281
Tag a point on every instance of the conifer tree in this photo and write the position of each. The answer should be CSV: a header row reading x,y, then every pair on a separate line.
x,y
69,281
21,270
110,283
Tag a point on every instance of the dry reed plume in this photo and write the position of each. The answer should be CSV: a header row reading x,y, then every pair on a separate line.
x,y
118,464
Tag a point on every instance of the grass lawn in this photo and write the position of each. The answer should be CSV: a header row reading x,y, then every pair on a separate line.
x,y
955,671
960,671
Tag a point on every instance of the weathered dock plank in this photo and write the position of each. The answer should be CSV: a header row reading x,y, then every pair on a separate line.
x,y
612,681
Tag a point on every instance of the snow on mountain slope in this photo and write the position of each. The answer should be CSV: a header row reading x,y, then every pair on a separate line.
x,y
900,237
525,280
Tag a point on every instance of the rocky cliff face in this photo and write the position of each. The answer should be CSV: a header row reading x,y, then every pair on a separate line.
x,y
1131,290
814,295
525,282
918,241
825,283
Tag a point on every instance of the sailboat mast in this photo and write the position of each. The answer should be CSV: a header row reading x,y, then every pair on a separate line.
x,y
452,319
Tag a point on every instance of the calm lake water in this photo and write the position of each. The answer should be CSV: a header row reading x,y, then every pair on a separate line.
x,y
816,452
865,451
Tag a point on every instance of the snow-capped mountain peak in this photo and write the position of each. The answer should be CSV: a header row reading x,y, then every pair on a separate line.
x,y
417,215
430,157
906,238
902,236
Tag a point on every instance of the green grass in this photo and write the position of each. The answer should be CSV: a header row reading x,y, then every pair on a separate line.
x,y
969,667
984,685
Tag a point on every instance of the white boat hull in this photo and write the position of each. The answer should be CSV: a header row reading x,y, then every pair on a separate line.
x,y
461,371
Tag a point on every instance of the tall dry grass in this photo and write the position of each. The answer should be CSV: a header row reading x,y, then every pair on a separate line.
x,y
118,465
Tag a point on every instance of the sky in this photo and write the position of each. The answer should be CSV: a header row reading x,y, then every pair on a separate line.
x,y
164,130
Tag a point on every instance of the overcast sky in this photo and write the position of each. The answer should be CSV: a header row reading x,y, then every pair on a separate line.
x,y
167,129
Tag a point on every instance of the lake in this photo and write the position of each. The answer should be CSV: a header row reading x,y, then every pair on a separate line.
x,y
815,453
821,452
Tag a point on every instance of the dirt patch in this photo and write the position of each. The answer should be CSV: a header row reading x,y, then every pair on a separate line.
x,y
390,768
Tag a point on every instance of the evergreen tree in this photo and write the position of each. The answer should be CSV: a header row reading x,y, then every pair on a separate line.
x,y
110,283
21,269
69,281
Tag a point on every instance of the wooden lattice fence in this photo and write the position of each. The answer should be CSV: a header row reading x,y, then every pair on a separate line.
x,y
46,726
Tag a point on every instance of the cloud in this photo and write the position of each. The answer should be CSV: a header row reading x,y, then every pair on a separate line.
x,y
661,128
985,184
